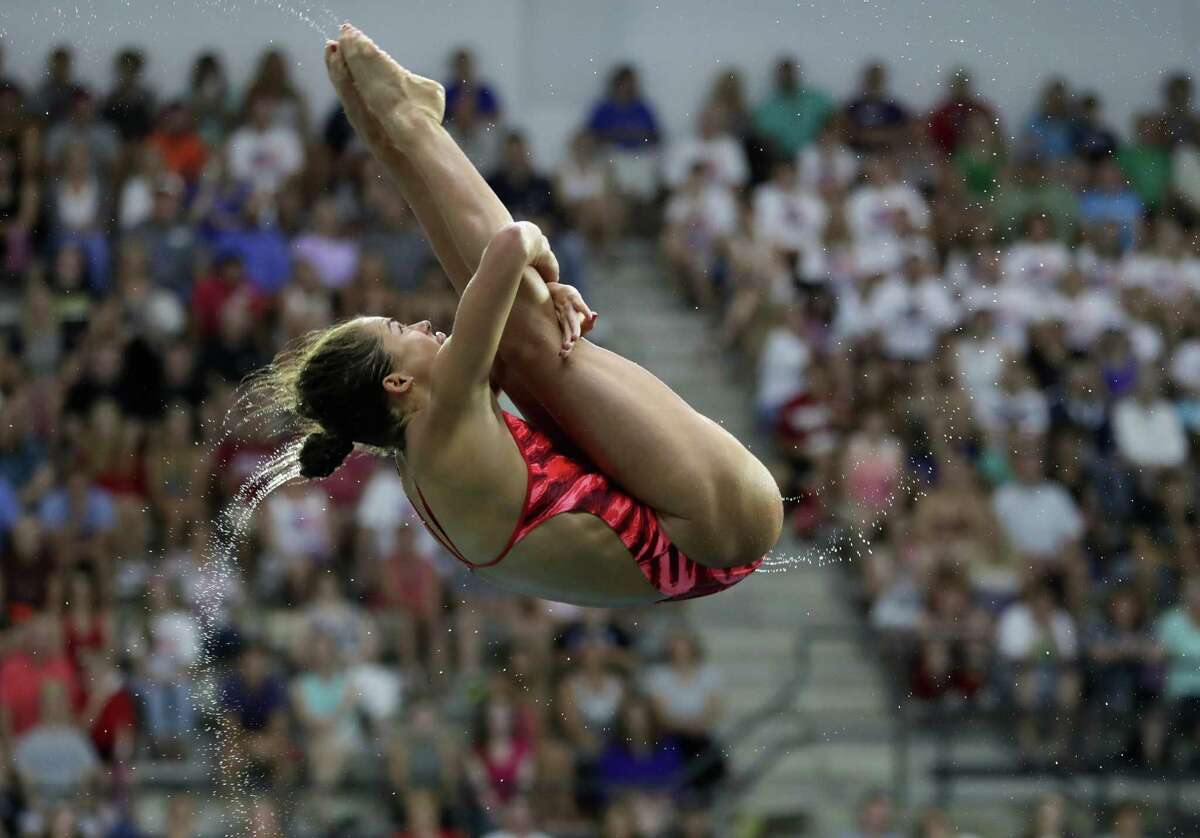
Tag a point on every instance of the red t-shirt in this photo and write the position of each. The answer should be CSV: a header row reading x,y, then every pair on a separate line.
x,y
22,677
117,714
184,154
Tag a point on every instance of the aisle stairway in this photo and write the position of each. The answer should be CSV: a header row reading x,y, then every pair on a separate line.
x,y
833,734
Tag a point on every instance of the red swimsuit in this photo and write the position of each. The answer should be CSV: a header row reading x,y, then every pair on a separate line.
x,y
558,483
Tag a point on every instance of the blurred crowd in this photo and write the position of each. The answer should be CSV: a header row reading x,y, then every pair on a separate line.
x,y
971,342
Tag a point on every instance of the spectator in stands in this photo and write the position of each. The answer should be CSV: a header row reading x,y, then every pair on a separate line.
x,y
1111,201
464,83
640,765
1092,138
792,115
590,697
712,146
1178,118
209,98
624,122
1049,131
1178,633
953,655
1039,650
686,695
53,97
325,708
54,759
37,660
884,207
875,817
170,651
827,165
1122,652
979,154
272,83
793,219
699,217
1146,162
19,199
1038,516
500,764
875,119
1147,429
585,188
474,133
82,127
422,757
130,105
254,704
526,192
949,121
266,150
1126,821
79,210
326,247
180,146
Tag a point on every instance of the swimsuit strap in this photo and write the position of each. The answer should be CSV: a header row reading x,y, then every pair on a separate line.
x,y
439,532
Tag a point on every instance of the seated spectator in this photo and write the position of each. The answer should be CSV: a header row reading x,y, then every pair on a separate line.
x,y
1147,428
699,217
326,247
527,193
165,658
686,696
875,120
500,764
1036,259
873,466
956,516
1110,200
87,624
1146,162
1092,139
1038,516
640,765
79,209
1122,653
585,187
325,708
464,84
81,518
783,360
1178,633
179,144
793,219
82,128
54,759
332,614
623,121
884,206
1048,133
53,97
37,660
792,116
980,154
422,760
209,98
1126,821
875,817
109,712
474,132
265,151
254,706
712,146
589,698
827,165
1023,188
949,120
130,105
1016,405
273,83
911,311
298,535
1039,653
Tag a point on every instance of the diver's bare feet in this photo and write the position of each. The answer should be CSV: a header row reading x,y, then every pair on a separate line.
x,y
397,98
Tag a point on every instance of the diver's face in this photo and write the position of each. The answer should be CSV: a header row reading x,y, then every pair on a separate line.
x,y
412,346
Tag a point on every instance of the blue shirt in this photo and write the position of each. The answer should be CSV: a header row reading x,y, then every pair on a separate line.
x,y
628,125
99,515
487,104
264,254
1123,208
1049,137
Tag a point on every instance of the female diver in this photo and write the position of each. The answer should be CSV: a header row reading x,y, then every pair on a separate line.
x,y
611,491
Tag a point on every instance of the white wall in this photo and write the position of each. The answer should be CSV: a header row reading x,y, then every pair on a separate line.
x,y
549,57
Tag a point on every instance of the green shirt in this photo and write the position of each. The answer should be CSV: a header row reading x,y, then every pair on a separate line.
x,y
1010,203
978,170
792,122
1149,172
1180,636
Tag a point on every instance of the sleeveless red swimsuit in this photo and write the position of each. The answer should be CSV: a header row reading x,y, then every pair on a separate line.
x,y
558,483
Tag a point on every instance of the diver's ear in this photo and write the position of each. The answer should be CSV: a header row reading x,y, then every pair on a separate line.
x,y
397,383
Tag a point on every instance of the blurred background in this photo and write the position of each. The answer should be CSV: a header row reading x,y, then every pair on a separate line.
x,y
935,262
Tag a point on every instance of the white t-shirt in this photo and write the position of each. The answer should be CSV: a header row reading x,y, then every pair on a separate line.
x,y
1039,520
794,220
384,508
874,211
781,366
300,524
683,698
706,216
1185,364
910,318
823,167
723,157
265,159
1039,264
1151,437
1018,634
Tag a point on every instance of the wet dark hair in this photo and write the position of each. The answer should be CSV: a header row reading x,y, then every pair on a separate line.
x,y
328,385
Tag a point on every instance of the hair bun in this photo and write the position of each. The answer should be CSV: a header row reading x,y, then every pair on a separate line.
x,y
322,453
